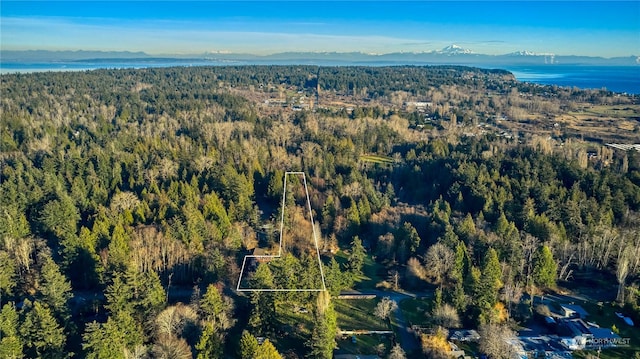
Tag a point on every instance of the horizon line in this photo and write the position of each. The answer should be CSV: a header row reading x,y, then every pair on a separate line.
x,y
266,54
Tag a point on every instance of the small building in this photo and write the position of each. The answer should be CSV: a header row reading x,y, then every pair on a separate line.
x,y
575,333
353,294
543,345
573,311
465,335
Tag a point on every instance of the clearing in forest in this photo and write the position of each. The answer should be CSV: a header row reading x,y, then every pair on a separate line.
x,y
295,265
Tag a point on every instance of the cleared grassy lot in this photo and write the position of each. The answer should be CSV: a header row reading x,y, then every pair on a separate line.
x,y
365,344
417,311
372,272
358,314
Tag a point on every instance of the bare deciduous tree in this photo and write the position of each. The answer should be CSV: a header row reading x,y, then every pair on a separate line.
x,y
622,270
397,353
416,269
439,262
496,341
173,320
446,316
170,347
124,201
385,307
139,352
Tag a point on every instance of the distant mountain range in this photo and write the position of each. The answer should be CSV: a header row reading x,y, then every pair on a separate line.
x,y
452,54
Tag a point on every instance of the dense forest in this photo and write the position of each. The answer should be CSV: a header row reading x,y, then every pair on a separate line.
x,y
129,198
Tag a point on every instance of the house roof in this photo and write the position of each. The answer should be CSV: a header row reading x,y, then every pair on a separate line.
x,y
603,333
465,335
577,327
575,309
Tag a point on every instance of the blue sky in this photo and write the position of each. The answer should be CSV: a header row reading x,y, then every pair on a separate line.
x,y
163,27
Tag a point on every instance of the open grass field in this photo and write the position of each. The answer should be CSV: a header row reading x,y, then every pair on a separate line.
x,y
358,314
295,327
372,272
603,123
365,344
616,111
606,121
416,311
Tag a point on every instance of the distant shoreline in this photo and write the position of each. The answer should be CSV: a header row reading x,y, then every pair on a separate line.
x,y
623,79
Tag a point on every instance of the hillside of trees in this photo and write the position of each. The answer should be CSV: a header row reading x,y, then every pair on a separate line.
x,y
129,198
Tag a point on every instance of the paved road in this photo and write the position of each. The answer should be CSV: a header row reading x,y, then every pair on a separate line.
x,y
408,340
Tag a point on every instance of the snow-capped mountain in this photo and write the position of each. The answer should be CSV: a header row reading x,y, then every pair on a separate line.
x,y
451,55
455,50
529,53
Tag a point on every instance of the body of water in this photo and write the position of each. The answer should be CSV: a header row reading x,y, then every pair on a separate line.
x,y
613,78
26,67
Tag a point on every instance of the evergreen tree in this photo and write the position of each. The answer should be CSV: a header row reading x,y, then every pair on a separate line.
x,y
10,341
409,236
217,311
214,210
42,334
60,218
545,268
110,340
490,281
276,185
263,309
357,256
335,279
7,275
364,209
489,286
248,345
210,344
353,218
149,296
55,290
467,228
119,296
118,248
322,341
217,308
267,351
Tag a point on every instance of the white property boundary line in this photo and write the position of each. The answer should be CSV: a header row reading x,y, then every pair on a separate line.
x,y
315,239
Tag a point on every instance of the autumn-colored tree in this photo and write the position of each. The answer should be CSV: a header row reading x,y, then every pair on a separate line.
x,y
435,345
